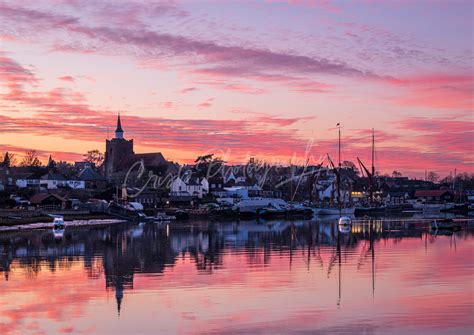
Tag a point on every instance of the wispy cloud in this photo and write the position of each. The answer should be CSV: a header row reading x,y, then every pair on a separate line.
x,y
205,56
188,89
67,78
344,58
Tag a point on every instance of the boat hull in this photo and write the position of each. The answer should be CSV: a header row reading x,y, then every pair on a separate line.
x,y
369,210
336,211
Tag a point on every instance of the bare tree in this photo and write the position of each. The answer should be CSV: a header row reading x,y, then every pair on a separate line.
x,y
432,176
94,157
396,173
31,159
65,168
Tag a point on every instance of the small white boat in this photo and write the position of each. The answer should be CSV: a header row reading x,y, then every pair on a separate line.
x,y
58,226
58,221
345,221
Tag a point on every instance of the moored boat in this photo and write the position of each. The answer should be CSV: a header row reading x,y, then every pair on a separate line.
x,y
456,208
128,210
369,210
251,206
58,226
270,212
164,217
58,221
336,211
297,209
433,207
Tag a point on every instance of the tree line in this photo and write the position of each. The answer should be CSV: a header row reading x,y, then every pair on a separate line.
x,y
31,159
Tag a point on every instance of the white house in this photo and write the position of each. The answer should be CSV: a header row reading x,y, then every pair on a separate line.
x,y
30,180
53,181
178,187
326,186
75,183
205,186
192,186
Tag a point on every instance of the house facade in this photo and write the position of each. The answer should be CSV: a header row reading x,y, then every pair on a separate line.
x,y
52,181
192,186
48,201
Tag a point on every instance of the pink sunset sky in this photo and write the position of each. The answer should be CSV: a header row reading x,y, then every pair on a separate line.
x,y
268,79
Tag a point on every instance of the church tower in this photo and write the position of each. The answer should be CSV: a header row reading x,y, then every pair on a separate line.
x,y
116,151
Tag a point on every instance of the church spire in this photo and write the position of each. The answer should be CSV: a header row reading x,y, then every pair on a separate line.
x,y
119,130
51,163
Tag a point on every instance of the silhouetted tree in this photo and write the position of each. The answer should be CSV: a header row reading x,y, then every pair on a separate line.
x,y
432,176
396,174
208,166
94,157
31,159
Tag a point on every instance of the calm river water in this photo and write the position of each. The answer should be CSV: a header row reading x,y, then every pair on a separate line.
x,y
250,277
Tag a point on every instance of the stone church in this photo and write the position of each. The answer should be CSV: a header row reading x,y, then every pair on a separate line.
x,y
119,156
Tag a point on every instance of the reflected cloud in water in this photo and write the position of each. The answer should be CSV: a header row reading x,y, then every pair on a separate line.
x,y
244,277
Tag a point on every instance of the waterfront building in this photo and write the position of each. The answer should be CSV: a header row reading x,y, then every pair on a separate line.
x,y
434,195
52,181
189,186
48,201
395,198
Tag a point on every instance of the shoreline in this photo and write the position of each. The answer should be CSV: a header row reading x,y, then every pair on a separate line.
x,y
102,220
88,222
46,218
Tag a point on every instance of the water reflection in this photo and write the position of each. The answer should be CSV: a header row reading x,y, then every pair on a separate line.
x,y
274,271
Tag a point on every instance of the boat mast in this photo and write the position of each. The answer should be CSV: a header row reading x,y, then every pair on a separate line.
x,y
339,128
338,176
373,151
373,167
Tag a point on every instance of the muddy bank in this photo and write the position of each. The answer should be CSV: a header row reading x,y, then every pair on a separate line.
x,y
47,219
71,223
